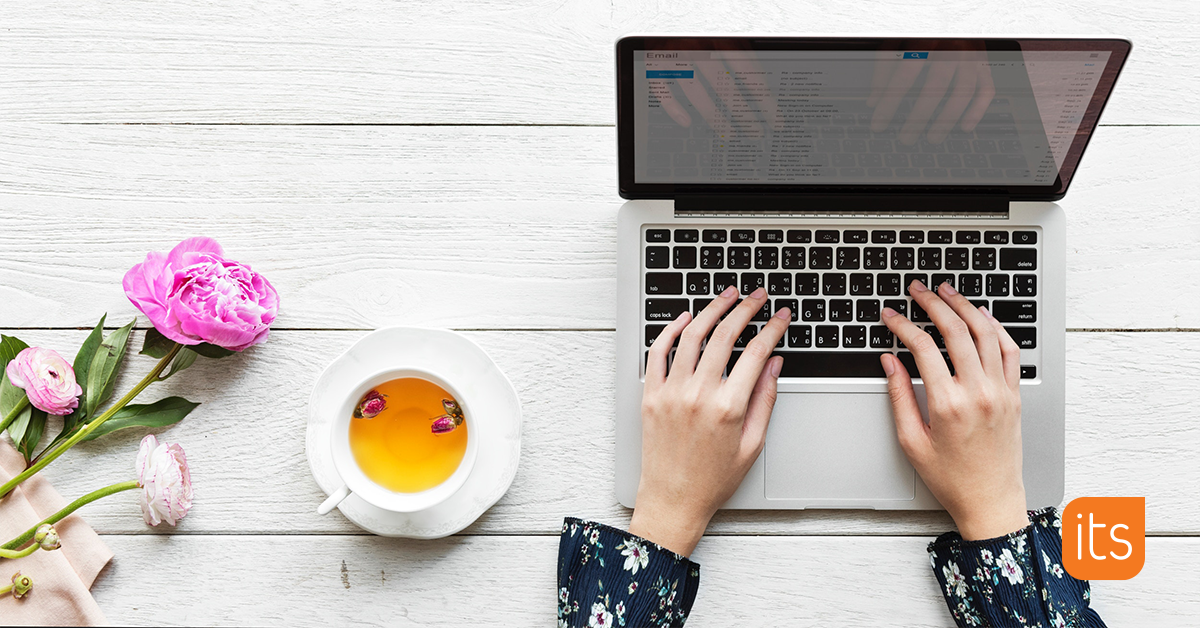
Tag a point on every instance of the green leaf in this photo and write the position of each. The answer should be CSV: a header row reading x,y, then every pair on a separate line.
x,y
10,395
211,351
83,362
33,434
9,348
102,373
185,358
161,413
18,427
156,345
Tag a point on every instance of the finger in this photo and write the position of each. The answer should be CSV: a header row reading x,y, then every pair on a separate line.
x,y
985,92
987,345
674,109
1010,352
902,80
879,80
720,345
718,76
959,343
911,429
930,364
700,99
656,361
688,353
750,365
960,97
936,85
758,412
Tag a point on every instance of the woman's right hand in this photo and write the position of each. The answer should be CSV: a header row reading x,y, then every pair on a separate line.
x,y
969,454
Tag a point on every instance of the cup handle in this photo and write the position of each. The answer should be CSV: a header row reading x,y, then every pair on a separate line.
x,y
333,500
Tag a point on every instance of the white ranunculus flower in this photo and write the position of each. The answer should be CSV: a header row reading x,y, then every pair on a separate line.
x,y
166,483
635,555
1009,567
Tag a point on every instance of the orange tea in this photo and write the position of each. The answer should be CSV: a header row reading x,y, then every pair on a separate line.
x,y
408,434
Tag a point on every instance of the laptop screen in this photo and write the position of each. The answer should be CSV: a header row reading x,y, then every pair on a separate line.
x,y
752,114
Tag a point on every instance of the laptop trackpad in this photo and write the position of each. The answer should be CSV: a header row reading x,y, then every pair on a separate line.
x,y
836,447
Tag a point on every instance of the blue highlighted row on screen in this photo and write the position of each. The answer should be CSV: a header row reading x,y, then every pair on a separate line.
x,y
669,74
916,55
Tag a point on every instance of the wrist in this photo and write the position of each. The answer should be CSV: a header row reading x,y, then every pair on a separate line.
x,y
671,529
994,520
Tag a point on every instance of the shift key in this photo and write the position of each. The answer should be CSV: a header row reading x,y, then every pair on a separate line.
x,y
665,309
1015,311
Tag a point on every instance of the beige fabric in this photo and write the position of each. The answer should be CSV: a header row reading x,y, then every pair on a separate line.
x,y
61,578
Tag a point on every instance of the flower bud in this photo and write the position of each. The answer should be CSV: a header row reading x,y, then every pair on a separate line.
x,y
370,406
442,425
21,585
47,537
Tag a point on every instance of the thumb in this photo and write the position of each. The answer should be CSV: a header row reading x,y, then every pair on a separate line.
x,y
758,412
910,427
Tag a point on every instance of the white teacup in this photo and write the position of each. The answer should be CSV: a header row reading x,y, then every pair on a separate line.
x,y
357,482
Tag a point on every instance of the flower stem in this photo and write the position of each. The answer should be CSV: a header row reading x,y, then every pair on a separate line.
x,y
150,378
11,554
5,589
12,416
67,510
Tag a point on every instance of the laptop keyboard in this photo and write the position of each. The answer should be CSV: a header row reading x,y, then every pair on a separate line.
x,y
836,281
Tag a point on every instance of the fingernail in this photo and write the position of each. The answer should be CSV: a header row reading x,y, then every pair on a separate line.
x,y
684,317
917,286
888,367
784,313
985,311
889,312
758,294
946,288
776,366
729,291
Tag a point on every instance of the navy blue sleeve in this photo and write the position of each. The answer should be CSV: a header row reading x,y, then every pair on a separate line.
x,y
1016,579
607,577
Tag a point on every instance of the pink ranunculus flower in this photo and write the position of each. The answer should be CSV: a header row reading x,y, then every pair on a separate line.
x,y
194,295
48,380
166,483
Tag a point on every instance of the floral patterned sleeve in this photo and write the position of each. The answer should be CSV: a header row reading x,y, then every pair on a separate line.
x,y
607,577
1012,580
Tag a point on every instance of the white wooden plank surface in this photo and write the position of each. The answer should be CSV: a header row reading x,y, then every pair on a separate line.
x,y
1131,430
482,61
361,227
510,581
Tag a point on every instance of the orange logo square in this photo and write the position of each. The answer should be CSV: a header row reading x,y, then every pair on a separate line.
x,y
1104,538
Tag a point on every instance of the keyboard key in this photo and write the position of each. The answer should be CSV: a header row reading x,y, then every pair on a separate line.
x,y
714,235
854,237
979,303
941,237
1024,285
746,336
791,304
883,237
799,336
812,309
743,235
770,235
739,257
820,257
766,257
799,236
958,259
970,285
887,284
918,314
1018,259
1024,237
1015,311
697,283
687,235
937,336
875,258
912,237
828,236
841,310
698,306
902,258
900,305
929,259
807,284
867,310
652,332
995,237
833,284
997,285
665,309
1025,337
721,281
666,283
658,257
685,257
1028,371
807,364
793,257
881,337
712,257
854,336
983,259
779,284
936,281
764,313
847,257
861,284
908,279
752,282
967,237
827,337
658,235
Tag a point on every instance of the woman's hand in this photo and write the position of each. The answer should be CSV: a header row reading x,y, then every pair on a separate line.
x,y
969,454
700,433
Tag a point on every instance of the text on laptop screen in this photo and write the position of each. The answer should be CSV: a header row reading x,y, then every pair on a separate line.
x,y
893,117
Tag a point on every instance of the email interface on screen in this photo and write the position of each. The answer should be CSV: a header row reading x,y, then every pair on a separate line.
x,y
958,117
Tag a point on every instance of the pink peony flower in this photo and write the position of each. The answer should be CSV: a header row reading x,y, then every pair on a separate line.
x,y
48,380
194,295
165,481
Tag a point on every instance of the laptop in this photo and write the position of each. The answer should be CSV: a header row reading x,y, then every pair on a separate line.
x,y
833,172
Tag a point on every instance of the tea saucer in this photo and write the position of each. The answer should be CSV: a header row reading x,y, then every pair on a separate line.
x,y
495,418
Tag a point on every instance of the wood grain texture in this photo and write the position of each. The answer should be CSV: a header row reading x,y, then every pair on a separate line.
x,y
1131,430
510,581
469,227
481,61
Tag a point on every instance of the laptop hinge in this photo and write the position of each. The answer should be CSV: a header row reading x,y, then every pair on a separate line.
x,y
844,205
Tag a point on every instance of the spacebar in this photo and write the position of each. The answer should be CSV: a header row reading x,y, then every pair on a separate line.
x,y
826,363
